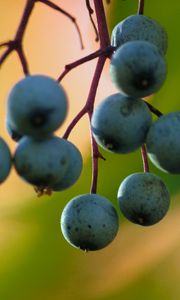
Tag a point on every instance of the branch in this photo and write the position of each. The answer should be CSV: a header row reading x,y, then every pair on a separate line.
x,y
16,44
102,24
88,108
107,52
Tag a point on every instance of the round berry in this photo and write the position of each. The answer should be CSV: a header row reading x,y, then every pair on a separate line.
x,y
73,171
120,123
5,160
138,69
42,162
89,222
140,27
143,198
37,105
163,144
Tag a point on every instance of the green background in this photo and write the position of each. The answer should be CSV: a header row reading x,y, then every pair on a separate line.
x,y
141,263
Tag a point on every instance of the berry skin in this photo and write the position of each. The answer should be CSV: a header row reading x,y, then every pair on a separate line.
x,y
73,171
140,27
163,144
42,162
138,69
36,106
5,160
143,198
120,123
89,222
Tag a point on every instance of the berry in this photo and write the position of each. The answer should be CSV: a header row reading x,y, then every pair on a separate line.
x,y
138,69
140,27
163,144
143,198
73,171
5,160
89,222
42,162
37,106
120,123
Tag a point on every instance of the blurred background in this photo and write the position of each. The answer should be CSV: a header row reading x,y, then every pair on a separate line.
x,y
35,260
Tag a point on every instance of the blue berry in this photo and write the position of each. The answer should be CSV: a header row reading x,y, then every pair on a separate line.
x,y
37,105
73,171
5,160
140,27
120,123
89,222
163,144
138,69
42,162
143,198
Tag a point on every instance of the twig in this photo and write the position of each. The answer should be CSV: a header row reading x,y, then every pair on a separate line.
x,y
107,51
16,44
59,9
144,158
91,11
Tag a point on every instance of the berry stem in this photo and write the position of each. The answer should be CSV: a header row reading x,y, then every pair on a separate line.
x,y
154,110
141,7
107,52
144,158
89,105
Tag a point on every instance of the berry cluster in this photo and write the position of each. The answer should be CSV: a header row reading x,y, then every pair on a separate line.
x,y
121,123
37,106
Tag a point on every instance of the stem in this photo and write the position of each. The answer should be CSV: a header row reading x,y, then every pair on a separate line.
x,y
24,20
90,104
59,9
102,24
91,11
107,51
88,108
73,123
141,7
144,158
23,61
154,110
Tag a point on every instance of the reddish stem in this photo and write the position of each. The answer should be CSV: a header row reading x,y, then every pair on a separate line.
x,y
144,158
102,24
88,108
141,7
64,12
24,20
89,105
107,52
